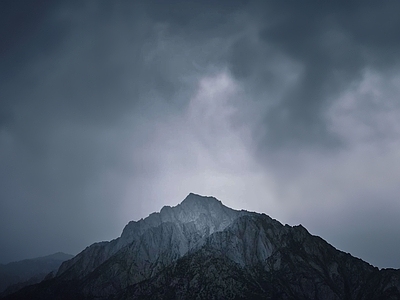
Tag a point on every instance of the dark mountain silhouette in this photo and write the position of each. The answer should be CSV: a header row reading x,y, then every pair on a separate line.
x,y
15,275
201,249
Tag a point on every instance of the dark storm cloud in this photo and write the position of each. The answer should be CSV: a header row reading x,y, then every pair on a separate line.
x,y
56,100
332,42
81,86
110,110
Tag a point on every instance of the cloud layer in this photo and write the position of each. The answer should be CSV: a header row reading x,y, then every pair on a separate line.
x,y
111,110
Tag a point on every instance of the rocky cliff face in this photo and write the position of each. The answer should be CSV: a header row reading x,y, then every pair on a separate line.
x,y
259,258
149,245
201,249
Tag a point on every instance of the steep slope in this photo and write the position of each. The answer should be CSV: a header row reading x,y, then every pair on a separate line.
x,y
201,249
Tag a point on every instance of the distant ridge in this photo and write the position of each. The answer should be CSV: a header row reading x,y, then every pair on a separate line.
x,y
15,275
201,249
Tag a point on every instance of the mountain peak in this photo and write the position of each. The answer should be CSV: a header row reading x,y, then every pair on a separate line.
x,y
197,197
200,201
205,210
192,209
201,247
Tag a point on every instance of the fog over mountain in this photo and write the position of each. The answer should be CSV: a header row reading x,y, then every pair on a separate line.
x,y
110,110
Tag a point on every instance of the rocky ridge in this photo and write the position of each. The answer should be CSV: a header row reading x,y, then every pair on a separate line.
x,y
201,249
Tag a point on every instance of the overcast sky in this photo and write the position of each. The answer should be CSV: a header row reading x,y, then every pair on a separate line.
x,y
110,110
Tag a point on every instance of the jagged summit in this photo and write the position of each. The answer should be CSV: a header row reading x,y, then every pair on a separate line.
x,y
188,223
204,211
196,202
192,197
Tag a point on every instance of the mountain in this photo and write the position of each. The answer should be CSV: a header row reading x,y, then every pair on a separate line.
x,y
15,275
201,249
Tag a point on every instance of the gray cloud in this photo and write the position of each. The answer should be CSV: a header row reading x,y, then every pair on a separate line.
x,y
111,110
330,44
